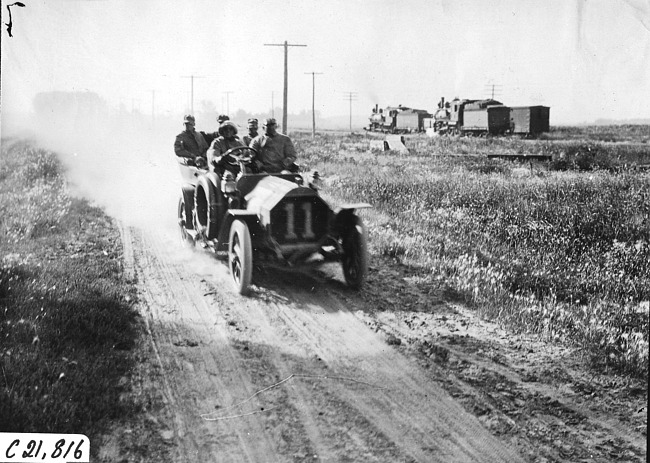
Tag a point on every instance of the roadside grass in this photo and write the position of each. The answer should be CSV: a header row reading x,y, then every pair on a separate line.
x,y
630,133
562,254
66,316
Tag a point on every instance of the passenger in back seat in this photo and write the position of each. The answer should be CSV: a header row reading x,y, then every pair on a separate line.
x,y
190,144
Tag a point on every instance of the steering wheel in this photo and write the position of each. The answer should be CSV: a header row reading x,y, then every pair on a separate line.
x,y
242,154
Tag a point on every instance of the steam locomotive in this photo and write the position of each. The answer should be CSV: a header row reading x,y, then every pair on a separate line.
x,y
463,117
399,119
483,117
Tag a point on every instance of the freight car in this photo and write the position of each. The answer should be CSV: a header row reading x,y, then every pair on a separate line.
x,y
399,119
529,120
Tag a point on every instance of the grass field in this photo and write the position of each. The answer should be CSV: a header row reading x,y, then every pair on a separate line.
x,y
630,133
559,248
66,321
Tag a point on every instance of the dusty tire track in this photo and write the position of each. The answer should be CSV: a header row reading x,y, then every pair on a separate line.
x,y
352,397
197,361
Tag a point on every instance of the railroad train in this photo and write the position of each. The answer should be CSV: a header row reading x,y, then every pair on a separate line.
x,y
463,117
398,119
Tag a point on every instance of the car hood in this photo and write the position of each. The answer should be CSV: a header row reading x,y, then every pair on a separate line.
x,y
269,191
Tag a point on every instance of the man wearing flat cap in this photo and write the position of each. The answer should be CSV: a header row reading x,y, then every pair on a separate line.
x,y
275,150
190,144
252,131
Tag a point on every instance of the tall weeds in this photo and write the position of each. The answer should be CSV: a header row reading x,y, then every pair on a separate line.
x,y
66,320
564,254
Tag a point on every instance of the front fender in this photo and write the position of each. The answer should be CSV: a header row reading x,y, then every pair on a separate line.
x,y
214,179
250,218
344,216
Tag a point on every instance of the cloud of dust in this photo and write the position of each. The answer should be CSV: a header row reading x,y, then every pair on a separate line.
x,y
125,165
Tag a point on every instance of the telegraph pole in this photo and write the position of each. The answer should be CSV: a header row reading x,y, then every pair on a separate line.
x,y
286,78
192,77
350,96
313,102
494,89
228,102
273,104
153,106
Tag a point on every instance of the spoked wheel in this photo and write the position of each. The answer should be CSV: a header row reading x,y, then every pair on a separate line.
x,y
240,256
186,238
355,254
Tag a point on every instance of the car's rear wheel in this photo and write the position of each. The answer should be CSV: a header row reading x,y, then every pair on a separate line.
x,y
240,256
355,254
186,239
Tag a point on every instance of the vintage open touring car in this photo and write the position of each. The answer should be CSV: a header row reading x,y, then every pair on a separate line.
x,y
257,218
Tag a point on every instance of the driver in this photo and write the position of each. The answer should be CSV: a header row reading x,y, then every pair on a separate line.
x,y
227,140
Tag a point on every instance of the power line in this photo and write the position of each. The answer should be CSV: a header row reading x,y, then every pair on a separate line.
x,y
313,102
286,78
351,96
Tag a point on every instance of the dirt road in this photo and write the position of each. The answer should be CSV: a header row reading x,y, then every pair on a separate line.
x,y
306,370
288,374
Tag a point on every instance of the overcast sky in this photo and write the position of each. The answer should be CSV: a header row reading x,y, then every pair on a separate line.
x,y
585,59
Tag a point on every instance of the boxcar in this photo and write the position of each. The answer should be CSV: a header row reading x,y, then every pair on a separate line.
x,y
529,120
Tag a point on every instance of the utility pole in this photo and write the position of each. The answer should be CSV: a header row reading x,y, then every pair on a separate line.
x,y
227,102
192,77
313,102
350,96
153,106
135,102
273,104
286,78
493,89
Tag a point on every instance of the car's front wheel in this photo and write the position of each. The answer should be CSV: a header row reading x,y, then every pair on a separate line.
x,y
355,254
240,256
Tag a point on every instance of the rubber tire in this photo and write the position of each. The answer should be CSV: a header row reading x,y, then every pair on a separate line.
x,y
214,209
186,239
355,253
188,197
240,256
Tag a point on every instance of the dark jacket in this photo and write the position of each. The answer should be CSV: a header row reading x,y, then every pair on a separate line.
x,y
275,153
190,145
209,137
